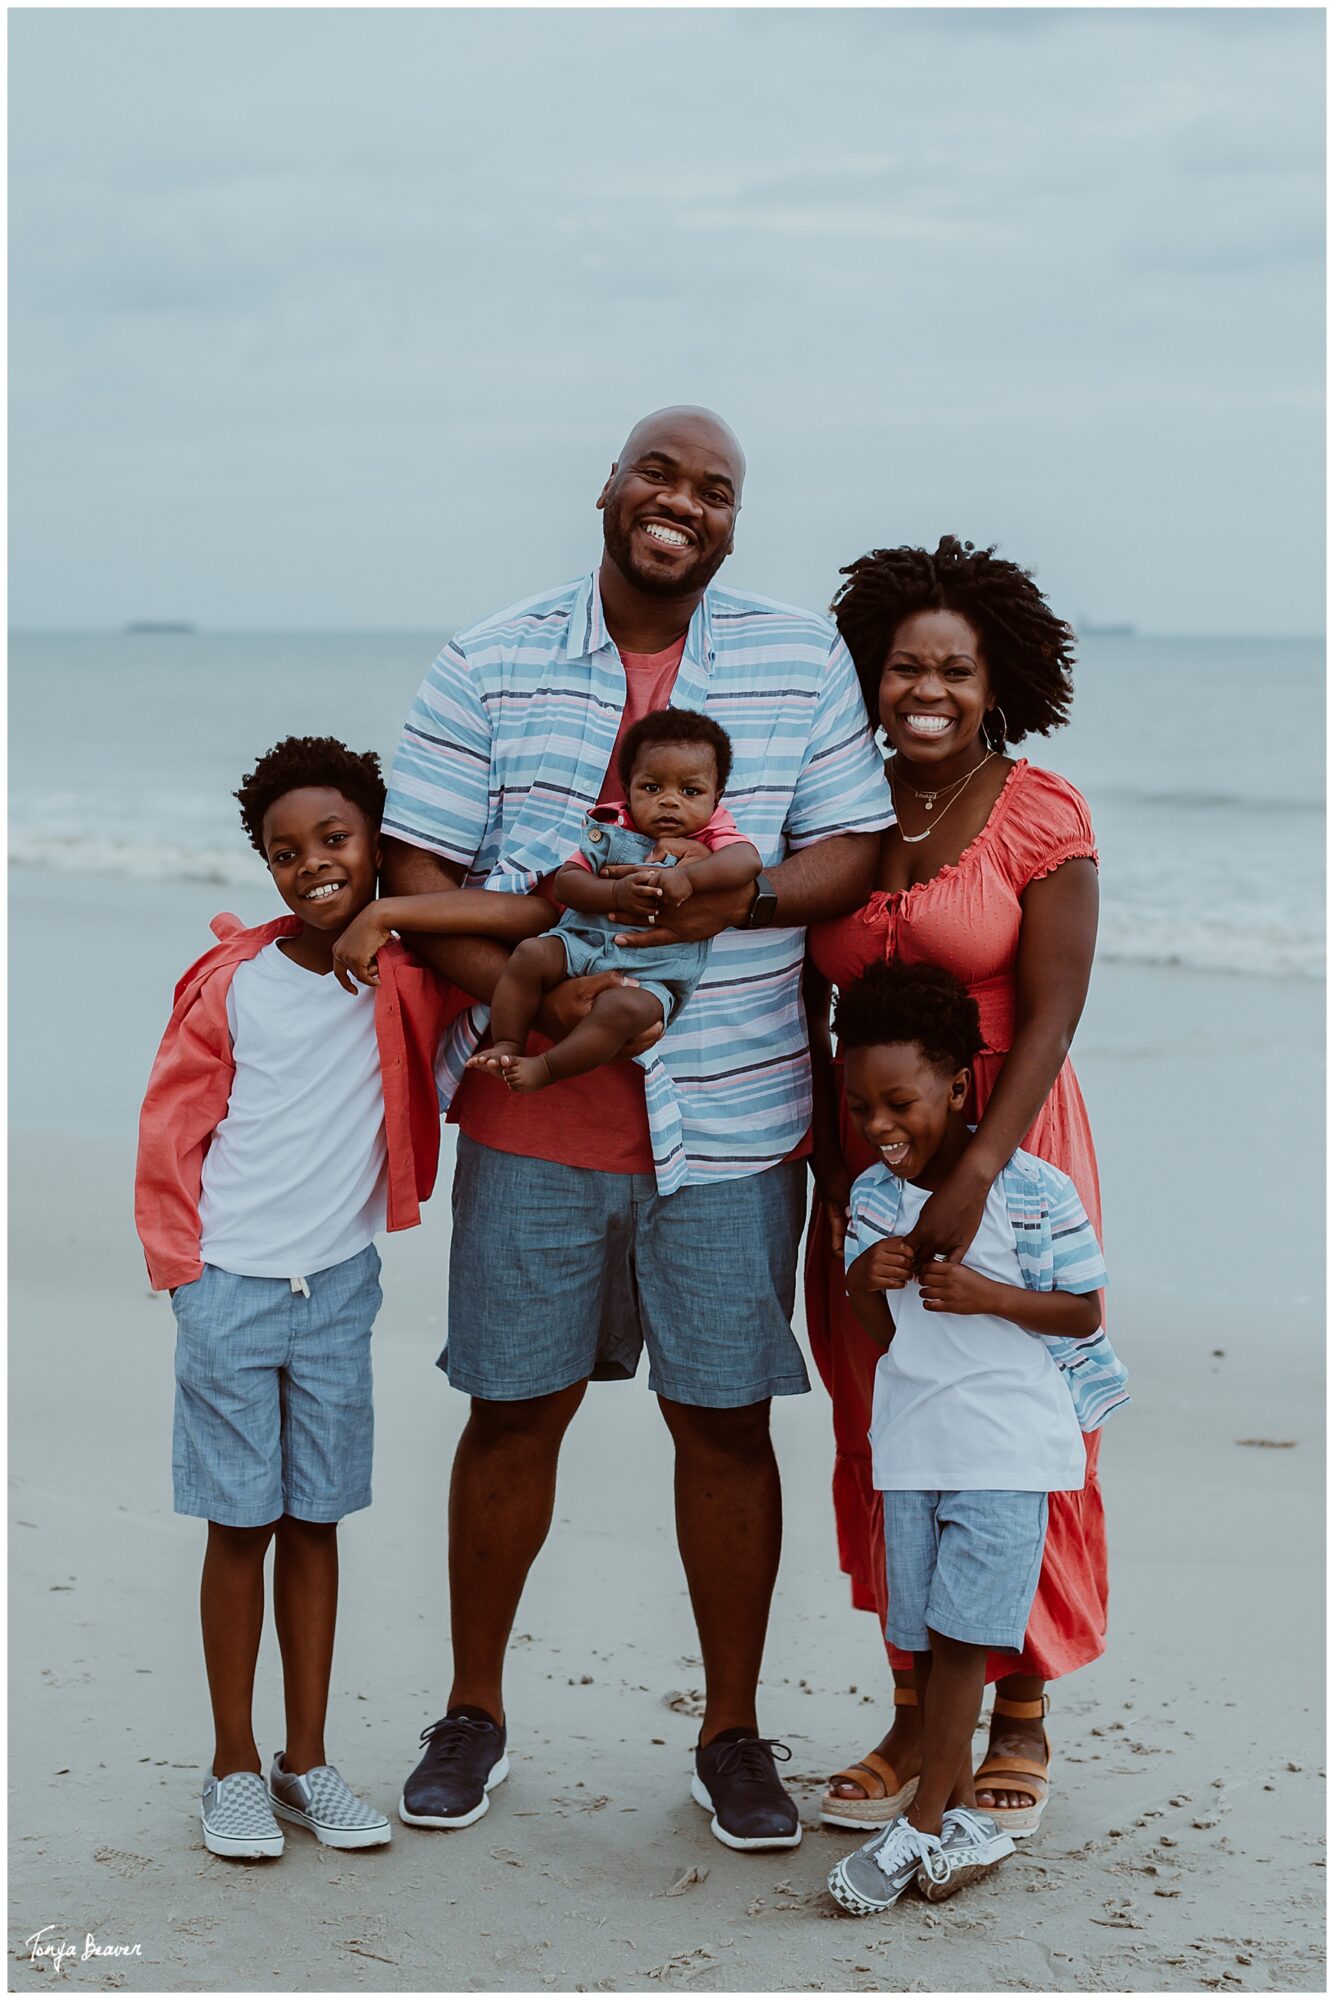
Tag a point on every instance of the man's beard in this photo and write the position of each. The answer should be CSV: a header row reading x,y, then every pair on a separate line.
x,y
619,547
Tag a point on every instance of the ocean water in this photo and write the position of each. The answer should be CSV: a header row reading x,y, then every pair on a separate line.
x,y
125,749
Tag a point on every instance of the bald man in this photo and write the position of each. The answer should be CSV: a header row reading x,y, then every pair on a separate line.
x,y
656,1202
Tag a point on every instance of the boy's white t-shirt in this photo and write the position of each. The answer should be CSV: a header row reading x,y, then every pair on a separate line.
x,y
964,1402
295,1177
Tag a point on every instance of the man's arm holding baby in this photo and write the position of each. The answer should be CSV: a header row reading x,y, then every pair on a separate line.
x,y
825,879
475,962
635,891
953,1288
631,896
726,868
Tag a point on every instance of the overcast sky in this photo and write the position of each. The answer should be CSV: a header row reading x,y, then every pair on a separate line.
x,y
337,318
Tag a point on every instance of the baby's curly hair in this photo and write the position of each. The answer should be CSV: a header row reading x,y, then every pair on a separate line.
x,y
299,761
675,725
1030,651
924,1004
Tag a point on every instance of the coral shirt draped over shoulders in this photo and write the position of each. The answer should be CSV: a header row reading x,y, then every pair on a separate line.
x,y
967,918
191,1080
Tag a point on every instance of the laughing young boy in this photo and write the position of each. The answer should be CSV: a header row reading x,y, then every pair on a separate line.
x,y
991,1366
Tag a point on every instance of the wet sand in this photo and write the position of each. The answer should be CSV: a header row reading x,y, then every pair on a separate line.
x,y
1184,1844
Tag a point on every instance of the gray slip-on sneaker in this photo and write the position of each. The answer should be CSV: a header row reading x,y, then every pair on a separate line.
x,y
324,1803
972,1844
873,1877
237,1817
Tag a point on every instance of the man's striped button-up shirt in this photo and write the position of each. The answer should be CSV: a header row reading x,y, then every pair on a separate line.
x,y
505,750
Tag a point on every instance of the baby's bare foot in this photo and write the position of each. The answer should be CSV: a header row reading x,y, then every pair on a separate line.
x,y
494,1059
526,1073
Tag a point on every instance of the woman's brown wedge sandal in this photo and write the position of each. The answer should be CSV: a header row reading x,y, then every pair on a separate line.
x,y
886,1793
1000,1772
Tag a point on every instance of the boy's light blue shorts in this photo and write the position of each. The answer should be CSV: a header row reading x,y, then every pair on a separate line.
x,y
563,1274
273,1395
964,1564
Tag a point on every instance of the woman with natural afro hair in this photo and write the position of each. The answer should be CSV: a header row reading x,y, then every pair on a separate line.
x,y
990,872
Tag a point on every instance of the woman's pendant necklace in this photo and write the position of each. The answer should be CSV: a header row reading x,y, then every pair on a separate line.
x,y
929,799
912,839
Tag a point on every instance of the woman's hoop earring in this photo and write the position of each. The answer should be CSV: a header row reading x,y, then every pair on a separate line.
x,y
997,742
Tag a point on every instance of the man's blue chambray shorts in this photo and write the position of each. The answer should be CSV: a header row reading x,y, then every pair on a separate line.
x,y
273,1394
560,1273
965,1564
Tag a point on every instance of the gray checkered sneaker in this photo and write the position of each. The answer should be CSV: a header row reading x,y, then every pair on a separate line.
x,y
322,1802
876,1875
972,1844
238,1820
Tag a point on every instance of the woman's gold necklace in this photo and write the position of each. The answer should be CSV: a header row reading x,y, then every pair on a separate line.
x,y
929,799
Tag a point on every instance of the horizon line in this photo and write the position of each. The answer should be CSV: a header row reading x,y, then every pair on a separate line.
x,y
419,631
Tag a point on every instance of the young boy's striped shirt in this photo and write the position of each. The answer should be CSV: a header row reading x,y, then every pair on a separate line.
x,y
1057,1249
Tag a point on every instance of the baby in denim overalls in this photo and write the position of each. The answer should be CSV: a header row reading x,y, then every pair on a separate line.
x,y
668,839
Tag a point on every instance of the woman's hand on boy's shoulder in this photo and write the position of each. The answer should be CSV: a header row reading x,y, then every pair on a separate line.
x,y
885,1267
950,1218
355,952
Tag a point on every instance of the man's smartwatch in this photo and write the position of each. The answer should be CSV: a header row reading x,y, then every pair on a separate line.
x,y
765,906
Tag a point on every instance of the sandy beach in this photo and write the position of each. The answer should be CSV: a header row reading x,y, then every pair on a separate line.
x,y
1183,1848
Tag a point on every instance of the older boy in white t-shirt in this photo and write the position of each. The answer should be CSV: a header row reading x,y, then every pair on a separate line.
x,y
973,1423
291,1116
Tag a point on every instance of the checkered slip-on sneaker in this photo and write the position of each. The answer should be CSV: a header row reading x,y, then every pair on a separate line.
x,y
876,1875
322,1802
237,1817
972,1845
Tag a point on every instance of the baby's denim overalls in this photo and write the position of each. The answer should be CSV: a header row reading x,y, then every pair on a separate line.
x,y
670,971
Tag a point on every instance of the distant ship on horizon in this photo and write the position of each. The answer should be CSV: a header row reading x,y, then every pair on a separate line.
x,y
1089,628
139,626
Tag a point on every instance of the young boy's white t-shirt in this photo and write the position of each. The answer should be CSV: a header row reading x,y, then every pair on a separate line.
x,y
295,1176
966,1402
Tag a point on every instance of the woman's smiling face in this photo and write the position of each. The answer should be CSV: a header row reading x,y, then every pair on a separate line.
x,y
935,689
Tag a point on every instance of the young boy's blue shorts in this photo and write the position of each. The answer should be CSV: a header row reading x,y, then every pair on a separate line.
x,y
964,1564
273,1395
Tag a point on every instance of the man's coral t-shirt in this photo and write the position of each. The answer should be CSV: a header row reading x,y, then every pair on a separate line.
x,y
596,1120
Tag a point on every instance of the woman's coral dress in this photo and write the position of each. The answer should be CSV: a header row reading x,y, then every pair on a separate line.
x,y
967,919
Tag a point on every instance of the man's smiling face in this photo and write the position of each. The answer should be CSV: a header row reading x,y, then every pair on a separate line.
x,y
669,508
